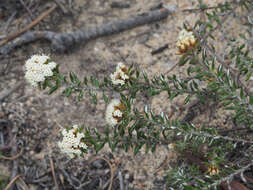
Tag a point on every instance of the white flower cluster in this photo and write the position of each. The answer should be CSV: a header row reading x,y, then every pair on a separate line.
x,y
114,113
38,67
71,142
186,40
120,75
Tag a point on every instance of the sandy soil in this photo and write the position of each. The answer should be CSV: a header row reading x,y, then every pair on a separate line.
x,y
39,116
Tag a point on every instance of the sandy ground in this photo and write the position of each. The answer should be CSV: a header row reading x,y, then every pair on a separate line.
x,y
99,57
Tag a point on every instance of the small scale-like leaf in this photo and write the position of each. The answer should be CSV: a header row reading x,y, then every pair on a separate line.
x,y
186,100
52,89
137,148
183,60
68,91
105,97
80,96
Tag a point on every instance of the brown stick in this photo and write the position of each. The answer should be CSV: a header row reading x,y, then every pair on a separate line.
x,y
20,182
111,168
11,182
52,169
13,157
62,42
28,27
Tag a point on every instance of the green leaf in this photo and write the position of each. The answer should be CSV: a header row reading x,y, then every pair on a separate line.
x,y
250,100
152,92
137,74
145,76
85,80
80,96
112,145
52,89
99,146
71,76
183,60
137,148
94,81
242,93
105,97
186,100
68,91
94,99
186,187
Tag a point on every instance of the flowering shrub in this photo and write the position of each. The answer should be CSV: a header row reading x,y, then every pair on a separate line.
x,y
210,79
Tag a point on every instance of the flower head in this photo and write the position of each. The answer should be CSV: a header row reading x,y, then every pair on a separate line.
x,y
120,75
114,112
38,67
186,40
213,169
71,143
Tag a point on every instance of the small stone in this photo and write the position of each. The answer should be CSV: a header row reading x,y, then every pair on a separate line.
x,y
31,153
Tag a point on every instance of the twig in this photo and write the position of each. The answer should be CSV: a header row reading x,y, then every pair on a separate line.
x,y
70,180
201,134
226,131
11,182
111,168
162,164
27,9
20,182
172,68
121,183
243,169
7,92
9,21
28,27
13,157
198,160
106,184
60,5
9,145
160,49
53,172
1,135
249,179
14,171
63,41
120,5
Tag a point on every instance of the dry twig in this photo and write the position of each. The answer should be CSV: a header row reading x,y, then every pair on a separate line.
x,y
20,182
9,145
53,172
160,49
63,41
231,176
13,157
27,9
14,171
111,168
201,134
12,182
121,180
28,27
